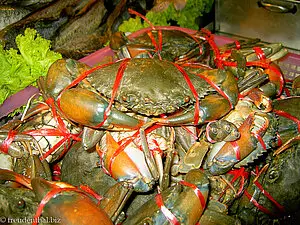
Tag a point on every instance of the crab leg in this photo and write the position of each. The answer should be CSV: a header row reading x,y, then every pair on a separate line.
x,y
115,199
183,203
148,156
213,106
6,142
8,175
165,177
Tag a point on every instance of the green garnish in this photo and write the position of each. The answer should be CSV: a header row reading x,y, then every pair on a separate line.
x,y
22,67
184,18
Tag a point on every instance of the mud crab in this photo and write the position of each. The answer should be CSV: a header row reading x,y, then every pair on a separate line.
x,y
138,93
114,104
74,203
171,43
40,131
272,194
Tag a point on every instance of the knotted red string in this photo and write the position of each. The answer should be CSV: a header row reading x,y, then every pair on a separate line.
x,y
126,143
61,130
260,53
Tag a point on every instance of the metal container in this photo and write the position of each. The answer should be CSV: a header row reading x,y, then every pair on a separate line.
x,y
269,20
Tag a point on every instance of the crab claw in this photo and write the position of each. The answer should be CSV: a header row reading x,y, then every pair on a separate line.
x,y
233,152
8,175
261,101
183,203
89,109
221,130
125,163
275,86
70,206
211,108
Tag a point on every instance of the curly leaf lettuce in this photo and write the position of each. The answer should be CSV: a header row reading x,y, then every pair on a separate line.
x,y
184,18
18,69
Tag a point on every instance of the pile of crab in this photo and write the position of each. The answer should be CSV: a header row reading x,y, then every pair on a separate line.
x,y
176,130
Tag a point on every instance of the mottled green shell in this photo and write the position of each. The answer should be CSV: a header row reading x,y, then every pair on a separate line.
x,y
149,86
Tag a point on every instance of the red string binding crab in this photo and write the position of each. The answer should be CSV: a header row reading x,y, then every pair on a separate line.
x,y
140,93
133,94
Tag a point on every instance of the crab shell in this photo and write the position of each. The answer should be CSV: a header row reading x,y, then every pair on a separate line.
x,y
155,87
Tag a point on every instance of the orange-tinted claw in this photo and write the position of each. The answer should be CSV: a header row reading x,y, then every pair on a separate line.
x,y
116,161
260,100
8,175
89,109
67,204
275,86
233,152
125,162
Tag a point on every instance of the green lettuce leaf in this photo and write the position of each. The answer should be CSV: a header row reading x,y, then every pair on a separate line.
x,y
22,67
187,17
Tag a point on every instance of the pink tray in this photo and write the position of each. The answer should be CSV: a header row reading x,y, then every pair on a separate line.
x,y
290,66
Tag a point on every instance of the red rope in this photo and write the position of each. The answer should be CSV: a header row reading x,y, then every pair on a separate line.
x,y
263,61
210,39
241,172
265,193
197,192
260,53
288,116
167,213
193,90
116,85
268,195
52,193
217,88
236,149
8,140
126,143
131,11
237,44
257,205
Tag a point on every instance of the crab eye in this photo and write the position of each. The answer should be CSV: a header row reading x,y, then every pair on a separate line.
x,y
214,130
227,128
187,99
237,134
274,175
21,204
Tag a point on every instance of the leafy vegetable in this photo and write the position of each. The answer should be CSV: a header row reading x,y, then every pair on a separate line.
x,y
184,18
18,69
131,25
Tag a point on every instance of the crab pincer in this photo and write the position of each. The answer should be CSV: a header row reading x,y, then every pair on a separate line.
x,y
183,203
233,152
60,201
68,204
